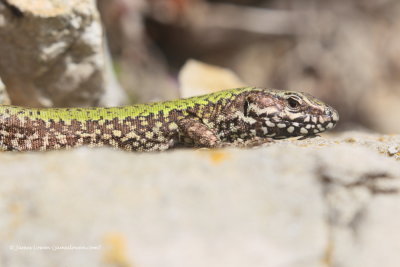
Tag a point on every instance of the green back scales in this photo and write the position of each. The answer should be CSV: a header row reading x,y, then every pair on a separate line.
x,y
139,110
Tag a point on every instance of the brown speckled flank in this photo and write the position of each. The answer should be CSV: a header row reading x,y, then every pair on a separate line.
x,y
213,120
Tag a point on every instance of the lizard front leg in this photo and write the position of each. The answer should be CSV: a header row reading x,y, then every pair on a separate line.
x,y
199,133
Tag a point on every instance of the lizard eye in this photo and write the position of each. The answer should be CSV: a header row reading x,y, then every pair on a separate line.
x,y
293,102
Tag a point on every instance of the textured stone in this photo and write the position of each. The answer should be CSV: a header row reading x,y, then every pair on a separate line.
x,y
317,202
52,53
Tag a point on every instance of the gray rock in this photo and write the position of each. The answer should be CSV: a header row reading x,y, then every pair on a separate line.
x,y
318,202
52,53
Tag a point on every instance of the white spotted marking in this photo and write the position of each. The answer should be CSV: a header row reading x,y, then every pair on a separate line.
x,y
295,124
303,130
241,116
258,110
271,110
45,140
107,136
161,138
314,119
270,124
113,143
293,116
264,129
28,144
307,119
132,135
149,135
281,125
316,131
5,133
117,133
62,140
57,146
172,126
330,125
308,126
290,129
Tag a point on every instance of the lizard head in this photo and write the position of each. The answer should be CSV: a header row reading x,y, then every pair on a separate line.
x,y
282,114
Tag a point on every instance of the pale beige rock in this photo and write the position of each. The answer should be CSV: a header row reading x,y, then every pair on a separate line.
x,y
198,78
319,202
52,53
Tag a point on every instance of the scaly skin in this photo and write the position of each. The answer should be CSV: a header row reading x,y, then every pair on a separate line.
x,y
214,120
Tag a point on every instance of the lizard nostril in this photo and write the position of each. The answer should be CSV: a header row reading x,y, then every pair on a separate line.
x,y
328,112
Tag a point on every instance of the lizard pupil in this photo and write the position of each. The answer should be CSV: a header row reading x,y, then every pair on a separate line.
x,y
293,103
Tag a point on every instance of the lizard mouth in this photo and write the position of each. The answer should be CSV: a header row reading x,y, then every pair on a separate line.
x,y
308,127
314,124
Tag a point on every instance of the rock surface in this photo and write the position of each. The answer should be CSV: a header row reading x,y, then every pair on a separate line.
x,y
52,53
330,201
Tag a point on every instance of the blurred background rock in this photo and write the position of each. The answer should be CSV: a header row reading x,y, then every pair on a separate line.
x,y
344,52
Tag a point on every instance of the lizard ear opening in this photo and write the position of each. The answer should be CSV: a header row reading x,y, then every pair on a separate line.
x,y
246,107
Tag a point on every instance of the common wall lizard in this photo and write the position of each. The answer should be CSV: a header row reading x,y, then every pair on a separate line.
x,y
230,116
